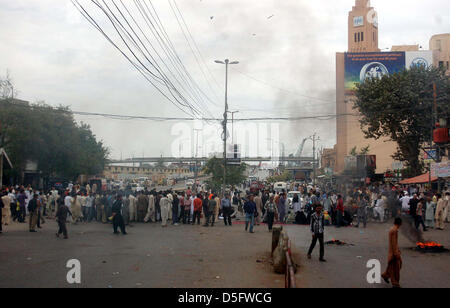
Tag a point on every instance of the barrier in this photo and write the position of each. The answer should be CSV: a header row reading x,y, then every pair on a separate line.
x,y
290,282
282,256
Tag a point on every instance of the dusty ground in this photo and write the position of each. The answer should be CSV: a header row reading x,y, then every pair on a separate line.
x,y
149,256
346,266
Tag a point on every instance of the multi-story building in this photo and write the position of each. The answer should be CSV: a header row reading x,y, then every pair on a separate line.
x,y
362,59
155,174
440,45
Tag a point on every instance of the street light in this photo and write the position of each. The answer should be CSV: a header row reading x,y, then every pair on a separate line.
x,y
225,118
232,125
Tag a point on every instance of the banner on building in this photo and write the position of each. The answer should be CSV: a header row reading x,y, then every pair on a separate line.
x,y
365,65
440,170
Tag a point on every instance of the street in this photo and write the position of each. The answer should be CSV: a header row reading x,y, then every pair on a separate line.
x,y
346,265
149,256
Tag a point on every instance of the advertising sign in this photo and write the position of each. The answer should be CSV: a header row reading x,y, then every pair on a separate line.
x,y
361,66
441,170
419,58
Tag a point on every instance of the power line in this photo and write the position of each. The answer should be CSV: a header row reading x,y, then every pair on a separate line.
x,y
135,41
141,70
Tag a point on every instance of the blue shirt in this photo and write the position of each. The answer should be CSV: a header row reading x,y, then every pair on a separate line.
x,y
250,207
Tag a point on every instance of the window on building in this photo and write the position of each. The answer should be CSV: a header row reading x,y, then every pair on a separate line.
x,y
359,36
356,37
441,64
374,36
448,67
438,45
362,36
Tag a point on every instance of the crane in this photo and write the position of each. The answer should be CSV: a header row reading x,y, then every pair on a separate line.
x,y
299,151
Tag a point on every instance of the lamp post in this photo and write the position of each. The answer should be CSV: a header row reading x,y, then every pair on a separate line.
x,y
314,139
225,119
232,125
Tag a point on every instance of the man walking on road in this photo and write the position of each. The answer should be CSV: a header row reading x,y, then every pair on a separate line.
x,y
61,217
317,230
441,207
33,207
394,257
227,210
209,211
117,216
259,207
250,211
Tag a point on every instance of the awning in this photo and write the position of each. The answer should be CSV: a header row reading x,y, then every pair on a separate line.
x,y
421,179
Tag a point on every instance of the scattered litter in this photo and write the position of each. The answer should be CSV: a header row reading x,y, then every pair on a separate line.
x,y
359,257
28,259
139,284
103,261
110,287
148,255
217,277
259,261
116,273
338,243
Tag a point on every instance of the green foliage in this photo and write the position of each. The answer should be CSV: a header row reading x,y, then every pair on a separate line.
x,y
353,152
284,177
399,106
50,137
214,167
365,151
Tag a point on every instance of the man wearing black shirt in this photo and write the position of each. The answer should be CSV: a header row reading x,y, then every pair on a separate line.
x,y
117,216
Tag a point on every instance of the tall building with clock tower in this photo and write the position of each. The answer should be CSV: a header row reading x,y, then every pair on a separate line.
x,y
363,28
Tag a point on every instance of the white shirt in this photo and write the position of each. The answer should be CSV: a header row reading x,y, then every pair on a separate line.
x,y
405,202
68,201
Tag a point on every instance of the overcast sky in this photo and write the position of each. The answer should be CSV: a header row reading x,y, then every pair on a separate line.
x,y
54,55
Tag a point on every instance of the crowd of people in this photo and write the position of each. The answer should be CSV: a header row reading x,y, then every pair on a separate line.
x,y
353,207
85,204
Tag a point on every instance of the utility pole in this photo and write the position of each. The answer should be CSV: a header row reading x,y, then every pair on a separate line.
x,y
232,125
314,139
196,161
225,119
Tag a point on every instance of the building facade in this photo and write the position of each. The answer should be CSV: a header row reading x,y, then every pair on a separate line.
x,y
362,28
154,174
440,45
363,42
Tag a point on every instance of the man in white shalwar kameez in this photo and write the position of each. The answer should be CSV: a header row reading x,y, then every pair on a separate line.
x,y
151,209
170,197
133,208
165,208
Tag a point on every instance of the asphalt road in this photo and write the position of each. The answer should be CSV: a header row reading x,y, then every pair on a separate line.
x,y
346,265
149,256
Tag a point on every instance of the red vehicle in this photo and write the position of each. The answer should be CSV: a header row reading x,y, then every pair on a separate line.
x,y
256,187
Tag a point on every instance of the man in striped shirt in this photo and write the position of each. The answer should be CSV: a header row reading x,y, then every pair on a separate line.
x,y
317,230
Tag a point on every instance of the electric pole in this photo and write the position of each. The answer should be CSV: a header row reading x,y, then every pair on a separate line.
x,y
225,119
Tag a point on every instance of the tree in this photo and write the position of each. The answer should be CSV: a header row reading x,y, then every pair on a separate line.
x,y
215,166
284,177
52,138
399,106
365,151
353,152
